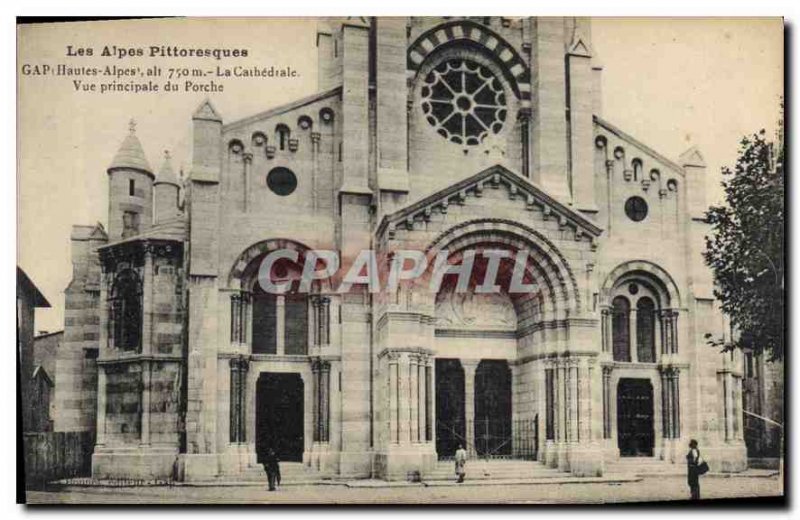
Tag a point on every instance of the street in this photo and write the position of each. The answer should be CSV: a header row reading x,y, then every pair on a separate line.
x,y
648,489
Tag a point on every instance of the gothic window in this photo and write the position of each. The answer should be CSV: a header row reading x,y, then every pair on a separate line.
x,y
645,330
282,132
125,318
620,328
464,101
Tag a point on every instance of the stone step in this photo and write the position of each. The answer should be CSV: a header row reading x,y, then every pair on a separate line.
x,y
480,470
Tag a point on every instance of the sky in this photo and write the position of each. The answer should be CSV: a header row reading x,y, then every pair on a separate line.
x,y
671,83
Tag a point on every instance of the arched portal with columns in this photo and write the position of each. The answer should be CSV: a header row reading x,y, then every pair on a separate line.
x,y
642,363
284,358
493,354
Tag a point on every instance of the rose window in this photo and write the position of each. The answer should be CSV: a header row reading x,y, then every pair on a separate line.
x,y
464,101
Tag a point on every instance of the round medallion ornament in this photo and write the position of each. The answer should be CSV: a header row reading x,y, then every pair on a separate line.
x,y
463,101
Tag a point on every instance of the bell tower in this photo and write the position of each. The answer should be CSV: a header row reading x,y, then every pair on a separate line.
x,y
130,189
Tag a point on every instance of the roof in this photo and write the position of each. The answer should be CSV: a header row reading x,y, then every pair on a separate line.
x,y
174,229
48,334
131,155
166,174
284,108
25,284
39,371
96,232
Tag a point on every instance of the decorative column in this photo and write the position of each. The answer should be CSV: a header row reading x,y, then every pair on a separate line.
x,y
324,400
315,138
469,366
247,160
413,396
144,434
147,302
605,327
561,399
429,408
394,388
280,325
574,400
100,438
422,398
325,319
607,402
587,419
669,331
550,401
315,398
240,303
103,348
676,407
524,118
238,394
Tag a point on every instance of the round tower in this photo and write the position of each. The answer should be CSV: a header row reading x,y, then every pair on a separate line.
x,y
166,192
130,190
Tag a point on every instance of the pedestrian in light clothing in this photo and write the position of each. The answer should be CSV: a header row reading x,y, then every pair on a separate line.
x,y
696,467
461,462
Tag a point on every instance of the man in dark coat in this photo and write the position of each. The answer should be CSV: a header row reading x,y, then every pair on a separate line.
x,y
267,456
273,469
693,475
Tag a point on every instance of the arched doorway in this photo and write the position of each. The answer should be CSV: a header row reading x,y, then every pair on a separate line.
x,y
279,414
635,437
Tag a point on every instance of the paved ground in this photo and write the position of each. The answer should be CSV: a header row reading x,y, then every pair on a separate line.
x,y
649,488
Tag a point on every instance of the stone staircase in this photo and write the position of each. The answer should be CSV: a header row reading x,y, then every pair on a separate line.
x,y
643,466
494,470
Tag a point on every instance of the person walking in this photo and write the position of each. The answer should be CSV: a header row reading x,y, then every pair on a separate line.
x,y
273,468
696,466
461,462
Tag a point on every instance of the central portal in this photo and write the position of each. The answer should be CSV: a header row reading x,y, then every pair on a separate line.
x,y
279,414
480,421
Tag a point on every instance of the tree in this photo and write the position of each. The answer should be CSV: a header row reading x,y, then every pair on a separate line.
x,y
746,247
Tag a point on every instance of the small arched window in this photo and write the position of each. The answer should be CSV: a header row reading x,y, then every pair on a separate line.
x,y
637,169
645,330
620,328
282,133
125,320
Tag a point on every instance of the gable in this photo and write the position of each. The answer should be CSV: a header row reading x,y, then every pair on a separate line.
x,y
518,189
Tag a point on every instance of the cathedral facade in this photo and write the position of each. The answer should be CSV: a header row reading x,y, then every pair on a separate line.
x,y
426,134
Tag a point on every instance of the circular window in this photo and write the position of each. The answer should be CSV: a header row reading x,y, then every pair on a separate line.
x,y
636,209
281,181
633,288
463,101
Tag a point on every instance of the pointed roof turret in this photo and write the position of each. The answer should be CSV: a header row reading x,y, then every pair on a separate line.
x,y
166,174
130,154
